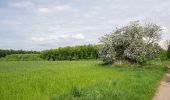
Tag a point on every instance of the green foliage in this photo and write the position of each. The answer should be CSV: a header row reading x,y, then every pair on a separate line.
x,y
162,54
140,59
134,42
71,53
22,57
75,92
168,52
77,80
4,53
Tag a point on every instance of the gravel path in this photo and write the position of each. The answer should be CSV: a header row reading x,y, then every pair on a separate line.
x,y
163,92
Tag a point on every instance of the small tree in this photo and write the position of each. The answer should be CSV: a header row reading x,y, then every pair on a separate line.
x,y
134,42
167,46
168,52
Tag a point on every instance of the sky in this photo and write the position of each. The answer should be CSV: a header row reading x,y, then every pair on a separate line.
x,y
45,24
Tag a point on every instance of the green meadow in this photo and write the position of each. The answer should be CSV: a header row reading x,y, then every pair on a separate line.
x,y
78,80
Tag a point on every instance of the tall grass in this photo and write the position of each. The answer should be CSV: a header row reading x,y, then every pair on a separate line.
x,y
78,80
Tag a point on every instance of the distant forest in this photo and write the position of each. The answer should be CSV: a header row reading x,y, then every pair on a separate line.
x,y
4,53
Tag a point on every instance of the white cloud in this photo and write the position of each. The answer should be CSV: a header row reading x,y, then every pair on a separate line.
x,y
79,36
63,8
10,22
57,37
22,4
38,39
49,38
54,9
43,10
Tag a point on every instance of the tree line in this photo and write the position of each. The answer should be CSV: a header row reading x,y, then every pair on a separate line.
x,y
4,53
71,53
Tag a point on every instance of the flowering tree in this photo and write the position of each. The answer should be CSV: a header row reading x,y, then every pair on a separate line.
x,y
134,42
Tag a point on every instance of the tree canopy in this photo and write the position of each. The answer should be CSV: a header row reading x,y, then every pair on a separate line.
x,y
134,42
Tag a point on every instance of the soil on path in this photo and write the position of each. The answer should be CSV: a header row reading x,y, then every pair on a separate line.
x,y
163,92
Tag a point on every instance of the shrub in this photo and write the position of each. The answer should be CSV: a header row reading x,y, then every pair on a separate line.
x,y
168,52
162,54
134,42
71,53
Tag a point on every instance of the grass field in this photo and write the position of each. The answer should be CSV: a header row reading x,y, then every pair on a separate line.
x,y
78,80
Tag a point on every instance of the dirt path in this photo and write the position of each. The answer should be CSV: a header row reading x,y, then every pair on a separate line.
x,y
163,92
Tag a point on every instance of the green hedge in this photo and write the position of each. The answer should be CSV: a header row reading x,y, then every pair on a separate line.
x,y
71,53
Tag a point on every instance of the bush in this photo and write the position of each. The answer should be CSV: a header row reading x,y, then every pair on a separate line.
x,y
168,52
71,53
162,54
134,42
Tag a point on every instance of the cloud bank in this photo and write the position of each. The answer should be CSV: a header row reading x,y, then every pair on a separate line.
x,y
42,24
